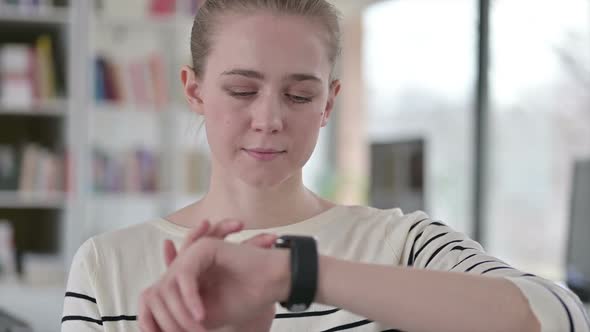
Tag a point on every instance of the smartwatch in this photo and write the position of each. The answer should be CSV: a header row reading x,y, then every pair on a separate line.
x,y
304,271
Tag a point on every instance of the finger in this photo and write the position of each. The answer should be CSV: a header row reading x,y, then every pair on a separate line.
x,y
202,256
189,292
225,228
202,229
148,323
219,230
180,312
169,252
262,240
146,320
162,315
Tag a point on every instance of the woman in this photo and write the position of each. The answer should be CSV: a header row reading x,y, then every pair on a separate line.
x,y
262,79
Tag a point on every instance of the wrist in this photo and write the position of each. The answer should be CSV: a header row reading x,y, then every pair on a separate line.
x,y
280,275
334,279
303,259
325,264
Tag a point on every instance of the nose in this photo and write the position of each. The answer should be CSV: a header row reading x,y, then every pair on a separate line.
x,y
267,115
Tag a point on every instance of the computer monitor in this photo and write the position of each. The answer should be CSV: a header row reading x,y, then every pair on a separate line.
x,y
578,246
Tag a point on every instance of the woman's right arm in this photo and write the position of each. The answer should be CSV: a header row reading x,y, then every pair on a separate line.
x,y
81,312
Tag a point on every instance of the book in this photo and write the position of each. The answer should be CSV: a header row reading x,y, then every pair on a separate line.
x,y
133,177
148,170
134,9
158,78
139,81
99,82
27,74
30,6
27,174
7,250
68,176
16,86
162,7
8,168
40,171
132,171
45,67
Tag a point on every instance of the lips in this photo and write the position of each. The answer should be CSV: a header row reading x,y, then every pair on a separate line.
x,y
261,150
264,154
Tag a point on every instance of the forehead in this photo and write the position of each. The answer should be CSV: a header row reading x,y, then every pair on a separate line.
x,y
269,43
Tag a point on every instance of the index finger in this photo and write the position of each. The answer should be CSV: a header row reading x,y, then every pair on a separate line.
x,y
197,232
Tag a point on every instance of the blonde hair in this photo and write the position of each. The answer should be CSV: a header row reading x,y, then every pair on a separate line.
x,y
208,15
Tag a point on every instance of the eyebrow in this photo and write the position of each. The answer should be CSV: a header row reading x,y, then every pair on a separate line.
x,y
259,76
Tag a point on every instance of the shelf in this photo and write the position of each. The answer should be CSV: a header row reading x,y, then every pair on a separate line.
x,y
22,200
144,198
54,108
137,22
113,108
15,14
127,108
128,197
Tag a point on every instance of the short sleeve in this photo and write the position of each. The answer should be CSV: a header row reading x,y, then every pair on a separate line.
x,y
81,312
433,245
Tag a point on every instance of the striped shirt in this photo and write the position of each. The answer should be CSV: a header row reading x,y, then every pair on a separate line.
x,y
110,271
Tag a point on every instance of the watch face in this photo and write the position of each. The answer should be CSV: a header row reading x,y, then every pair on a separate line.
x,y
298,307
281,243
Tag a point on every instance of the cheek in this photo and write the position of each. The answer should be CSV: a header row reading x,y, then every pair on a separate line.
x,y
305,130
223,130
307,122
220,128
220,117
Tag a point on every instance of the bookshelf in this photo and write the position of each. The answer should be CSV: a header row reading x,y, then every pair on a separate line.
x,y
53,108
127,44
42,158
58,116
20,200
97,126
34,116
52,15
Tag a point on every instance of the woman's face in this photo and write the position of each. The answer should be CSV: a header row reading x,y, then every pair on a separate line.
x,y
264,95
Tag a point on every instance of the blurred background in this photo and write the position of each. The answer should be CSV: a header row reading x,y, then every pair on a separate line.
x,y
475,111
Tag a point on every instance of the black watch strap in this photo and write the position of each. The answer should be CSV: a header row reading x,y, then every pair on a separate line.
x,y
304,271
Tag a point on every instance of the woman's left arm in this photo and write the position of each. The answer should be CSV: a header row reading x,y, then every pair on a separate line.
x,y
446,282
420,300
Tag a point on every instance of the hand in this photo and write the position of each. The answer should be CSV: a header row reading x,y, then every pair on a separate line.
x,y
161,308
226,283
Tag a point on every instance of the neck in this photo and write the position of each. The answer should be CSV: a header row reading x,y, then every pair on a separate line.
x,y
286,203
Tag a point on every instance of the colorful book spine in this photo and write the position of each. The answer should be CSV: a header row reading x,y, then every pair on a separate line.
x,y
45,66
27,74
16,86
32,169
133,171
139,82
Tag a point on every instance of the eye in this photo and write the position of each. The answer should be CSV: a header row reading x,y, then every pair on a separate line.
x,y
298,99
242,94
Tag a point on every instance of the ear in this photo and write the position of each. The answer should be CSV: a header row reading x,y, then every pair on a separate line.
x,y
192,89
333,93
